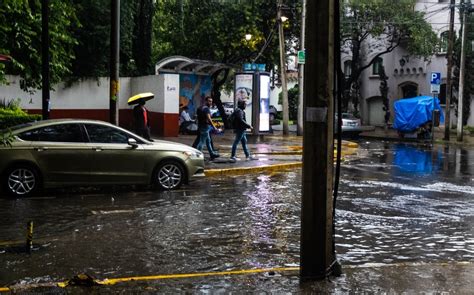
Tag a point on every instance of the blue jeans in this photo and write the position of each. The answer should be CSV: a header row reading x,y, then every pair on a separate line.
x,y
240,137
205,139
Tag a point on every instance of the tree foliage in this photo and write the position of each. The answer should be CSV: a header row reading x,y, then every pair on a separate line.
x,y
379,27
93,51
20,37
469,69
215,30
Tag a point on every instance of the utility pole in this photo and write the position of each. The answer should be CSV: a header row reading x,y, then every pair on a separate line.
x,y
284,88
316,256
447,122
461,73
114,60
45,58
299,130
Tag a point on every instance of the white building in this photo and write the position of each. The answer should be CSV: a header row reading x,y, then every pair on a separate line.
x,y
408,75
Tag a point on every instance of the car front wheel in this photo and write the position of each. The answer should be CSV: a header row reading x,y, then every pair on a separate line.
x,y
169,175
21,181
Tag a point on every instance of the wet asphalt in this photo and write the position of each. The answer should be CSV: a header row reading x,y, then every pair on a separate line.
x,y
404,223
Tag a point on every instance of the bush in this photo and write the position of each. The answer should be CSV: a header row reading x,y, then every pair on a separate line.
x,y
8,120
11,114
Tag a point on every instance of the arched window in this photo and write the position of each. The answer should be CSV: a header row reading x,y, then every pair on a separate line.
x,y
443,42
377,66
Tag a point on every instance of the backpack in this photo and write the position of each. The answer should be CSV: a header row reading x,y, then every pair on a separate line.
x,y
232,119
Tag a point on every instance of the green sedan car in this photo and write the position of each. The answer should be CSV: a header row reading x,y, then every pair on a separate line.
x,y
67,152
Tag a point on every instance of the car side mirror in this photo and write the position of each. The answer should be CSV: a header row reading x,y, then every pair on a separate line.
x,y
132,142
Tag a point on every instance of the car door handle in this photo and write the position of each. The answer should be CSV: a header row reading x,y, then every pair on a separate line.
x,y
40,149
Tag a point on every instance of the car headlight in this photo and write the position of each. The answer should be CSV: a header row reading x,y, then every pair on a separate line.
x,y
194,155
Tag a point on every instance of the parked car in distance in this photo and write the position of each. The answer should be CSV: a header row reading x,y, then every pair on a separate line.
x,y
351,125
273,113
74,152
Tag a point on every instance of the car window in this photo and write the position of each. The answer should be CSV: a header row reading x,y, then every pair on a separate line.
x,y
54,133
105,134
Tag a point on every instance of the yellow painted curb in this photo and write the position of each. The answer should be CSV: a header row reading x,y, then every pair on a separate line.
x,y
244,170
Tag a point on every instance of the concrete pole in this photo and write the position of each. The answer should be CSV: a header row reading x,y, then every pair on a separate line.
x,y
447,123
45,84
299,130
461,75
284,88
114,60
317,257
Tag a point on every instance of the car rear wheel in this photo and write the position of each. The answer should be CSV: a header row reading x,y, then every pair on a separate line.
x,y
21,181
169,175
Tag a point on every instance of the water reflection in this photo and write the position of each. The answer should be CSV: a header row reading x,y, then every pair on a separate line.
x,y
417,160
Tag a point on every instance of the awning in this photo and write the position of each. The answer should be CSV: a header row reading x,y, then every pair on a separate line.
x,y
183,65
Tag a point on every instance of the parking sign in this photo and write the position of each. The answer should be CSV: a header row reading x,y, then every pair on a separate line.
x,y
435,78
435,82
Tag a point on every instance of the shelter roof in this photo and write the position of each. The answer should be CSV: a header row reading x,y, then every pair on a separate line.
x,y
184,65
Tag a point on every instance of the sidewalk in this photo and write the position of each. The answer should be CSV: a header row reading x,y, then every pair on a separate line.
x,y
274,152
392,134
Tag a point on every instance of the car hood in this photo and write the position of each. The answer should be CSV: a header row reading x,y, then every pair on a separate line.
x,y
169,145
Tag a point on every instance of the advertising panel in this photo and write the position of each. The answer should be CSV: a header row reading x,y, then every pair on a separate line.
x,y
264,103
192,91
243,92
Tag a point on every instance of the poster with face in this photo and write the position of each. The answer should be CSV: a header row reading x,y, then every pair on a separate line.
x,y
264,103
243,92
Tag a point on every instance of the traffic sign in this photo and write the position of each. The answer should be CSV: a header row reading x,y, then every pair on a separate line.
x,y
435,78
301,57
435,88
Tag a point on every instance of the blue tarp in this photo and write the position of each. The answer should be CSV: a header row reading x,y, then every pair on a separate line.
x,y
410,113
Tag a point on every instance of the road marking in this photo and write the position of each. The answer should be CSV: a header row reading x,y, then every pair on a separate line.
x,y
236,272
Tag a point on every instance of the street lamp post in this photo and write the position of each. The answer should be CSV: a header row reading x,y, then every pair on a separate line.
x,y
284,88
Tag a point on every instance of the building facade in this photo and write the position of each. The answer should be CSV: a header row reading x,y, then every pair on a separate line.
x,y
408,76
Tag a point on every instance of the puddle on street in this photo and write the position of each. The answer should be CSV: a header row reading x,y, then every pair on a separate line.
x,y
396,204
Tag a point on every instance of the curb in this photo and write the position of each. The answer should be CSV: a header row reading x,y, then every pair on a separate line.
x,y
245,170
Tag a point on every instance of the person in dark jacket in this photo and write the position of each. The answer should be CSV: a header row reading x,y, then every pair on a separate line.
x,y
205,125
240,127
142,120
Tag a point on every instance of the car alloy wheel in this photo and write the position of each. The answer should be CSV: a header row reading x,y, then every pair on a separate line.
x,y
22,181
169,175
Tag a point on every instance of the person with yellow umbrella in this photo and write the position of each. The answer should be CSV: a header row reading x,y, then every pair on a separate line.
x,y
141,115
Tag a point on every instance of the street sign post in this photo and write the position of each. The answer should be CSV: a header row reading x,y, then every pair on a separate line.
x,y
435,82
301,57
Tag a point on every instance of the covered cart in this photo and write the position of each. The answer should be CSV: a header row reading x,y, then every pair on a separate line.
x,y
413,116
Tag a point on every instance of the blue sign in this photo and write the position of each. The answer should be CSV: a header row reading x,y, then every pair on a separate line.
x,y
254,67
435,78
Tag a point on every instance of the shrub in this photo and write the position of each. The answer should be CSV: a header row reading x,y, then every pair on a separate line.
x,y
11,114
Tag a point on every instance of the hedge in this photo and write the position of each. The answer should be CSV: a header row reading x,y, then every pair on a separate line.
x,y
8,120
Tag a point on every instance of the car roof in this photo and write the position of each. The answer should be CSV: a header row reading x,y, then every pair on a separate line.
x,y
37,124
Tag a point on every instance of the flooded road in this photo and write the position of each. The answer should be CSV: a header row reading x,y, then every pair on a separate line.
x,y
397,203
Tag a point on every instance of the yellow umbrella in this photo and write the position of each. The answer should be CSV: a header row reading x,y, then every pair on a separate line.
x,y
136,98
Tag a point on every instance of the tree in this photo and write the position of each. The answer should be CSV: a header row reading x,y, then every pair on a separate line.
x,y
384,94
469,69
380,26
20,37
93,51
215,30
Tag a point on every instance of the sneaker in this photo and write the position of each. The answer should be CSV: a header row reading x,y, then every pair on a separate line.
x,y
251,157
214,156
234,159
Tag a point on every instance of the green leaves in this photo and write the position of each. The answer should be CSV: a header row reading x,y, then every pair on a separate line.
x,y
20,37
